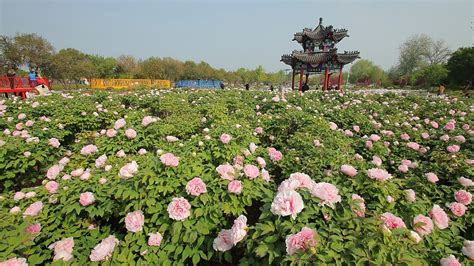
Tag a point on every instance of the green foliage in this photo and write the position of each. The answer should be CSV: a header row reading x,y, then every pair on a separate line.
x,y
431,75
364,70
460,66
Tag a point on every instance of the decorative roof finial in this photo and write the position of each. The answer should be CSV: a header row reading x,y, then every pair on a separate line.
x,y
320,21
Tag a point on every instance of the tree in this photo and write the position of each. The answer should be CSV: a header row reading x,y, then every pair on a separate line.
x,y
105,67
460,66
128,66
431,75
29,49
364,70
70,65
419,51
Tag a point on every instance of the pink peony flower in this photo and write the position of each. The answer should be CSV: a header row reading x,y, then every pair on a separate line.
x,y
52,186
53,171
431,177
88,149
265,175
415,237
410,195
63,249
86,198
120,153
225,138
369,145
169,159
453,148
64,161
444,138
148,120
332,126
223,241
449,126
374,137
425,135
77,172
348,170
54,142
100,162
239,229
239,160
14,261
226,171
120,123
259,130
403,168
142,151
463,197
86,175
413,145
301,241
439,217
376,161
104,249
196,187
33,229
359,209
30,194
457,209
327,193
130,133
405,136
378,174
34,209
423,225
251,171
274,154
460,139
465,182
449,261
303,179
252,147
179,208
128,170
235,187
356,128
155,239
468,249
15,210
287,203
261,162
392,222
18,196
111,133
134,221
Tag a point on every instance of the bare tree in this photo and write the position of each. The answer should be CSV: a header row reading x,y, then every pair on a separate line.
x,y
438,52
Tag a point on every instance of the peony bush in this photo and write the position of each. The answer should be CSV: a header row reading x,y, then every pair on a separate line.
x,y
226,177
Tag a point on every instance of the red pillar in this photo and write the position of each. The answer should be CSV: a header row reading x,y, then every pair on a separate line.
x,y
339,82
301,80
293,80
326,80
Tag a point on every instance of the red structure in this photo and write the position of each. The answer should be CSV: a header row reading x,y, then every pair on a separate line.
x,y
319,55
20,85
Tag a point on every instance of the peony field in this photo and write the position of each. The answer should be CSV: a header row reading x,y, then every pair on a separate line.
x,y
235,177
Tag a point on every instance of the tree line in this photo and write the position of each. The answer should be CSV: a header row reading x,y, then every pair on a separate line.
x,y
70,64
422,62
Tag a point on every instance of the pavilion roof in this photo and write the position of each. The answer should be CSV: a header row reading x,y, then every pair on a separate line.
x,y
316,58
320,33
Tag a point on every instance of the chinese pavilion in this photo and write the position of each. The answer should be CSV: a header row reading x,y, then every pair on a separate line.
x,y
319,54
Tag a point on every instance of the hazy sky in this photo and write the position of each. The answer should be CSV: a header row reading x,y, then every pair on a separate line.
x,y
232,34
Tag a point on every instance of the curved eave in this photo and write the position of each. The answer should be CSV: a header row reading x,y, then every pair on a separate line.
x,y
347,58
313,59
339,35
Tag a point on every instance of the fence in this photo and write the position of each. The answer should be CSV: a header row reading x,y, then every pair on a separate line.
x,y
199,83
128,83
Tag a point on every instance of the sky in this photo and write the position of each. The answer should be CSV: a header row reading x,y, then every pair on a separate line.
x,y
230,34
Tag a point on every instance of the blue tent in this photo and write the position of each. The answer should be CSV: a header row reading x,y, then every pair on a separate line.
x,y
199,83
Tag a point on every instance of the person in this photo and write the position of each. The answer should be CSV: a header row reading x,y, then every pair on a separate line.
x,y
11,73
222,85
271,88
247,86
305,87
32,78
441,89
